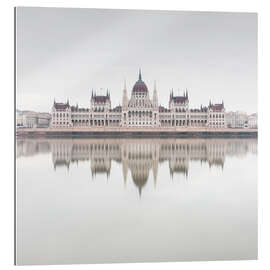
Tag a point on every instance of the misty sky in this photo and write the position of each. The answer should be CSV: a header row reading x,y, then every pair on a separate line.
x,y
65,53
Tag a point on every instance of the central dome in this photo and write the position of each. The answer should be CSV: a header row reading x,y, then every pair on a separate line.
x,y
140,86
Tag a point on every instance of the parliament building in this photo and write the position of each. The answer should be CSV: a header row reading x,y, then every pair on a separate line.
x,y
138,111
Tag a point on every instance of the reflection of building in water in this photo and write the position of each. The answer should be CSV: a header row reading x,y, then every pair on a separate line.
x,y
61,153
139,156
101,155
28,147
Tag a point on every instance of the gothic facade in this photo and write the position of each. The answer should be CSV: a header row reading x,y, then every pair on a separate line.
x,y
138,111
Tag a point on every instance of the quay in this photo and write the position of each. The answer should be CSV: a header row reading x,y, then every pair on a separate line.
x,y
139,132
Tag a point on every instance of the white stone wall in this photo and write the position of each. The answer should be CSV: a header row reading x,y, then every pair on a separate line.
x,y
30,119
237,119
140,112
253,121
216,119
61,118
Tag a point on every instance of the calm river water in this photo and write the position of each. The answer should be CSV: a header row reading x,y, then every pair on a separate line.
x,y
136,200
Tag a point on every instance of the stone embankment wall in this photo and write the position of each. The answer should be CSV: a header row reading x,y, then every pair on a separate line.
x,y
115,132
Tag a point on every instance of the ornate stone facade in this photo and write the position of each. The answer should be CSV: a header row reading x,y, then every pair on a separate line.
x,y
138,111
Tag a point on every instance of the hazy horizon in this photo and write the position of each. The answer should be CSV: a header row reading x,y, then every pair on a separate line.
x,y
64,53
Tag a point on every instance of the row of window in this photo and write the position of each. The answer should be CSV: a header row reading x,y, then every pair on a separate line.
x,y
217,123
60,114
198,116
140,123
217,116
60,123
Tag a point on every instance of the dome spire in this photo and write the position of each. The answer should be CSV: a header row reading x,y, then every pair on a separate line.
x,y
140,75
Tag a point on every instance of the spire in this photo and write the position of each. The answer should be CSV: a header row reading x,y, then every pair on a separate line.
x,y
210,103
125,97
171,94
67,101
186,93
155,97
140,75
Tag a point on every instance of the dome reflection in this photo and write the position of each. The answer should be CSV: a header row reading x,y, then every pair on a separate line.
x,y
139,156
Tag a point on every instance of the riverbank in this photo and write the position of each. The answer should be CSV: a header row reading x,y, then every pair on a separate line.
x,y
111,132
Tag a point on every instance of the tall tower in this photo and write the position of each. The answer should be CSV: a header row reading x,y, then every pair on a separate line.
x,y
125,97
155,120
155,97
124,106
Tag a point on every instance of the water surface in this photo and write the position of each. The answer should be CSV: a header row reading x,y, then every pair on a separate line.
x,y
136,200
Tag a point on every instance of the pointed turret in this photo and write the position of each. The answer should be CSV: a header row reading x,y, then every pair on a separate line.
x,y
140,75
125,97
155,97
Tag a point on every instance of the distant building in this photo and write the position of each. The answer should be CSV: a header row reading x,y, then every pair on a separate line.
x,y
252,121
237,119
138,111
30,119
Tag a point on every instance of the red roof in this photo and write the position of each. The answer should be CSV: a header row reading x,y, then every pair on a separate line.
x,y
217,107
179,99
101,99
61,106
77,109
140,86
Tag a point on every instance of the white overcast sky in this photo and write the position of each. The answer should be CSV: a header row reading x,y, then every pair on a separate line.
x,y
65,53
